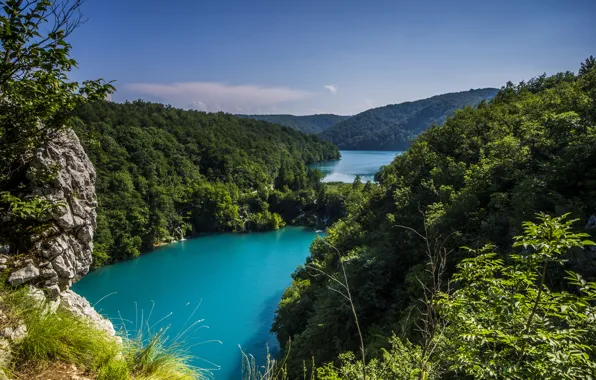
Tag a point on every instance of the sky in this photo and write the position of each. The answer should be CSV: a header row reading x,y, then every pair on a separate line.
x,y
324,56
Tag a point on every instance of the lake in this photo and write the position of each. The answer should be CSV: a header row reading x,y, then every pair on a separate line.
x,y
364,163
236,280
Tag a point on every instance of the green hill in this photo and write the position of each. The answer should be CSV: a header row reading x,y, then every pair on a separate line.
x,y
393,127
466,183
307,124
164,172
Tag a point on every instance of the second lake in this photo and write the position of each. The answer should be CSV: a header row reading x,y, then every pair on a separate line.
x,y
363,163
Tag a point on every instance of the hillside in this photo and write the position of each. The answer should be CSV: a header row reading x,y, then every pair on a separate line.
x,y
472,181
307,124
393,127
164,173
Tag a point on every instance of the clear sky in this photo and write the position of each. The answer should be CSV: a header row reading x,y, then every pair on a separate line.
x,y
324,56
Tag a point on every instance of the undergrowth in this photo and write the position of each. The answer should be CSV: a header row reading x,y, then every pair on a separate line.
x,y
62,337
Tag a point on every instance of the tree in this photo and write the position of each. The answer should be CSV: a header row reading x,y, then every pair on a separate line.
x,y
504,322
36,96
587,65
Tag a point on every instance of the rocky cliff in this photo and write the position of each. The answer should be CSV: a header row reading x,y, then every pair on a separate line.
x,y
61,252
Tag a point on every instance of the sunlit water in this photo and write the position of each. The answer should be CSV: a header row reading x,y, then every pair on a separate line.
x,y
365,163
238,279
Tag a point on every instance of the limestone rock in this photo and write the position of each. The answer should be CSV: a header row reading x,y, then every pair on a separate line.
x,y
14,333
79,306
49,305
24,275
67,243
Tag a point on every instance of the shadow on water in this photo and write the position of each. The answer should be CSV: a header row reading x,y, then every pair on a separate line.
x,y
257,343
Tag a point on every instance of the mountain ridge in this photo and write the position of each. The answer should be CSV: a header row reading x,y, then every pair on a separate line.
x,y
313,124
393,126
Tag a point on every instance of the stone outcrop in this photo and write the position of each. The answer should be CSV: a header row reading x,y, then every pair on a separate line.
x,y
62,253
63,250
79,306
22,276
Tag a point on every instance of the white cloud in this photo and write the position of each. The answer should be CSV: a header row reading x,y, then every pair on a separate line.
x,y
214,97
331,88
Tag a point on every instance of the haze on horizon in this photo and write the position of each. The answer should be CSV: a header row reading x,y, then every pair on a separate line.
x,y
342,57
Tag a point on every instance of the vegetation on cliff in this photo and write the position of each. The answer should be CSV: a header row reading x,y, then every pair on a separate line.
x,y
52,343
469,182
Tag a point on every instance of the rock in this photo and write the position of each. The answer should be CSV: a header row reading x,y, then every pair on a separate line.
x,y
15,334
79,306
48,274
53,292
67,242
62,267
37,294
24,275
49,305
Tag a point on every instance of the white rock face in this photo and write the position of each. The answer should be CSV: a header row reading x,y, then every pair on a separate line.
x,y
24,275
79,306
64,248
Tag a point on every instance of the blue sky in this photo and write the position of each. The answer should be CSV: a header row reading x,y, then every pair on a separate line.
x,y
324,56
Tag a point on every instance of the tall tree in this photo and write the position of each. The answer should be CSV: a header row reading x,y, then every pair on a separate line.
x,y
36,96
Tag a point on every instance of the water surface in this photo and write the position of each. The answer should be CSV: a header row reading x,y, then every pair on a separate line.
x,y
365,163
237,278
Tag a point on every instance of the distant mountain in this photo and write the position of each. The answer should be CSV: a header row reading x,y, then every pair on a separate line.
x,y
306,124
392,127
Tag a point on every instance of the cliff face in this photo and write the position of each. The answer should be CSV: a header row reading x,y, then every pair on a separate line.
x,y
62,253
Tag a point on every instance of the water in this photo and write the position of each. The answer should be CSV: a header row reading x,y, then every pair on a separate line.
x,y
239,278
364,163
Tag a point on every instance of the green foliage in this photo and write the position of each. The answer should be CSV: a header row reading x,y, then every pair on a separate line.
x,y
164,173
393,127
58,336
153,358
63,337
475,178
399,362
37,97
307,124
504,322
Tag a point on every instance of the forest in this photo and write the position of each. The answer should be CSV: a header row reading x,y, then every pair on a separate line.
x,y
165,173
393,127
308,124
516,303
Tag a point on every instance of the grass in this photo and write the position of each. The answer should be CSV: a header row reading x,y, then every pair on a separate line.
x,y
61,337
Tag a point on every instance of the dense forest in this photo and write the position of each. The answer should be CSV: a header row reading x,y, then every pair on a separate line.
x,y
470,182
164,173
393,127
307,124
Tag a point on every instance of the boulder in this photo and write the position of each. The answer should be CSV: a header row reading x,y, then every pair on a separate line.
x,y
79,306
24,275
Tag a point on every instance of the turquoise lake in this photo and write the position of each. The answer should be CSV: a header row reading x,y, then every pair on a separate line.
x,y
237,279
364,163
